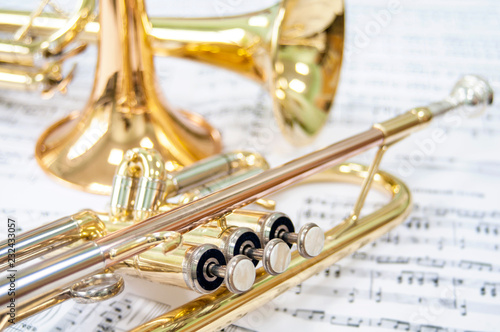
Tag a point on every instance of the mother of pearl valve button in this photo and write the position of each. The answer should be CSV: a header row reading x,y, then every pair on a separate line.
x,y
239,274
310,240
275,256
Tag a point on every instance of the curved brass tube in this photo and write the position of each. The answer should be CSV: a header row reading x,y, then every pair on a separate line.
x,y
156,266
34,62
294,51
46,279
138,182
210,312
25,53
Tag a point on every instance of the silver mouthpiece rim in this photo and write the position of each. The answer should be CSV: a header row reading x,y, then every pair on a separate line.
x,y
474,93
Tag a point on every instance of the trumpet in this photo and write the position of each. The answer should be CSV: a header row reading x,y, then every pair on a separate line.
x,y
296,59
177,239
34,62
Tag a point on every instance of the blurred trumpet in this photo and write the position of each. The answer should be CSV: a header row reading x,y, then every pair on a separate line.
x,y
293,48
204,239
33,62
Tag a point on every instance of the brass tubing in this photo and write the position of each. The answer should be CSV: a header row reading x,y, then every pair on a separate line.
x,y
20,78
219,309
84,225
179,37
39,280
298,60
88,225
120,245
57,38
159,265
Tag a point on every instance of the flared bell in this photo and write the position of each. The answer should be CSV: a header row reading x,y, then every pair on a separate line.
x,y
293,48
125,110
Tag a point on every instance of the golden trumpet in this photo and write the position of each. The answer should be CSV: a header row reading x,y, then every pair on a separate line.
x,y
32,62
274,46
154,246
298,60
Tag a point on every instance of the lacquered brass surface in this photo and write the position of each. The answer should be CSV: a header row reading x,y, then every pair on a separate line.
x,y
214,311
125,110
30,61
83,225
294,48
49,279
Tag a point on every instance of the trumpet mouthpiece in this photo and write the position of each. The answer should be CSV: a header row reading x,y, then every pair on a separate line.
x,y
474,94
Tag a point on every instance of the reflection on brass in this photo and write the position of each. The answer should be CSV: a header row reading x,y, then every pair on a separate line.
x,y
44,284
125,110
214,311
293,48
32,61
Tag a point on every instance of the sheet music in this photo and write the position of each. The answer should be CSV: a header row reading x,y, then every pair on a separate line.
x,y
438,271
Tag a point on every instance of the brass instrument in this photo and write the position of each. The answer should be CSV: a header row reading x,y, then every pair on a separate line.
x,y
33,62
297,59
161,237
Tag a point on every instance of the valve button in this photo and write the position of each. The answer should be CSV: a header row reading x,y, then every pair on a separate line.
x,y
240,274
277,257
311,240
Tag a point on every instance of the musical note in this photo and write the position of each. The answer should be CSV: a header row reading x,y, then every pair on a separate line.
x,y
463,308
346,321
309,314
471,265
378,295
392,260
487,228
394,324
490,289
431,262
334,271
409,277
352,295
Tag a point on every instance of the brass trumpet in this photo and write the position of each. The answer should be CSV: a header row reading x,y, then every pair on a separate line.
x,y
298,60
34,62
177,239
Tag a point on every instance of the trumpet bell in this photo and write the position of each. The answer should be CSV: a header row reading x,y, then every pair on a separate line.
x,y
293,48
308,66
125,110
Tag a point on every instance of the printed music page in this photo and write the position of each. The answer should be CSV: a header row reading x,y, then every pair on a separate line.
x,y
438,271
